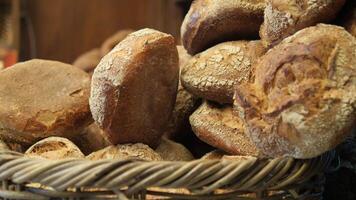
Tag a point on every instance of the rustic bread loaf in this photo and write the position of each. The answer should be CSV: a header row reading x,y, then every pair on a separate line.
x,y
210,22
283,18
54,148
40,98
173,151
113,40
217,126
134,87
213,73
303,100
88,60
126,151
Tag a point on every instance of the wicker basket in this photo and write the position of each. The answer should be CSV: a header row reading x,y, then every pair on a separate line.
x,y
279,178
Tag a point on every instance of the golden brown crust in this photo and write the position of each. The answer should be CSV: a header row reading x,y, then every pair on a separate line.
x,y
54,148
283,18
303,100
126,151
218,127
134,88
172,151
88,60
113,40
40,98
210,22
213,73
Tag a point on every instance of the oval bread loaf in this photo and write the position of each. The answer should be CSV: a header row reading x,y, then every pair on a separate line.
x,y
172,151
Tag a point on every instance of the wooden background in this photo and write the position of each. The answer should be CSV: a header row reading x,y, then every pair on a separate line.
x,y
63,29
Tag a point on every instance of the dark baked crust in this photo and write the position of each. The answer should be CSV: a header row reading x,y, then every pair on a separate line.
x,y
40,98
210,22
303,100
134,88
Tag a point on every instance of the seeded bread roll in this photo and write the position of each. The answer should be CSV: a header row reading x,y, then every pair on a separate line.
x,y
126,151
213,73
113,40
303,100
173,151
217,126
283,18
54,148
134,88
3,146
88,60
40,98
210,22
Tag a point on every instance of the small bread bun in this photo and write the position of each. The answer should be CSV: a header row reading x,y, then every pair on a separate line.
x,y
134,88
42,98
126,151
88,60
213,73
3,145
113,40
54,148
283,18
172,151
210,22
303,100
217,126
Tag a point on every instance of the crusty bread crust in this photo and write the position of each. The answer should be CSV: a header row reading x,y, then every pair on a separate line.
x,y
303,100
134,87
210,22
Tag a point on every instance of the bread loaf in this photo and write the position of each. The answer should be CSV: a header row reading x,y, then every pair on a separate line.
x,y
88,60
40,98
217,126
134,87
113,40
54,148
126,151
210,22
213,73
302,102
173,151
283,18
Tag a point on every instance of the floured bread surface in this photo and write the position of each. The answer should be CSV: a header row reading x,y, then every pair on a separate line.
x,y
54,148
88,60
303,100
113,40
283,18
126,151
213,73
133,89
40,98
219,127
173,151
210,22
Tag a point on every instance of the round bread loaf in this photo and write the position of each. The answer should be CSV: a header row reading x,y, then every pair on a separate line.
x,y
133,89
126,151
210,22
3,145
54,148
303,100
217,126
88,60
40,98
283,18
113,40
172,151
213,73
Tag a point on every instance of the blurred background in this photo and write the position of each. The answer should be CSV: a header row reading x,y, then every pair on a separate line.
x,y
64,29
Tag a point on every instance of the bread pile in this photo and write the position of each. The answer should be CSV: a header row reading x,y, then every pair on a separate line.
x,y
270,78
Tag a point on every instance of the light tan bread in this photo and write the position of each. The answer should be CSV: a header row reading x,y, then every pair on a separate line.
x,y
213,73
283,18
210,22
113,40
40,98
173,151
88,60
54,148
303,100
134,88
219,127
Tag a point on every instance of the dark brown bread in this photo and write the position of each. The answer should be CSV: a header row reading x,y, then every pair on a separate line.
x,y
88,60
40,98
218,127
134,88
303,100
213,73
113,40
283,18
210,22
173,151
